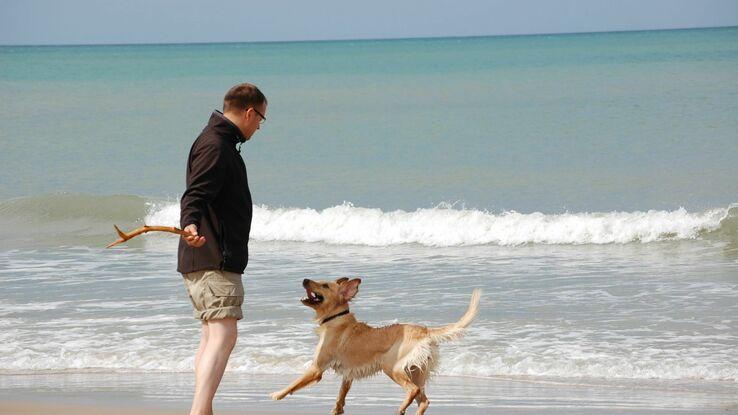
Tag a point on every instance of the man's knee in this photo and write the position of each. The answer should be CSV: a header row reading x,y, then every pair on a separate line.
x,y
224,331
205,332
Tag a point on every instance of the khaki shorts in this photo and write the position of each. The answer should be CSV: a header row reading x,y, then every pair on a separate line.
x,y
215,294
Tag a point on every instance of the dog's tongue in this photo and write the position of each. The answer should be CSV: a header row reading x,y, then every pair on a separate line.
x,y
310,294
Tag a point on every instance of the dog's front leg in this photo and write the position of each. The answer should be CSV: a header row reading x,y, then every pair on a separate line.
x,y
341,401
313,375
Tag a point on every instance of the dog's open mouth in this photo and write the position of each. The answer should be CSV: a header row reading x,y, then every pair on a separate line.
x,y
312,297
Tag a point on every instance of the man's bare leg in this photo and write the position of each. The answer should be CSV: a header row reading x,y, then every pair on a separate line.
x,y
211,363
201,348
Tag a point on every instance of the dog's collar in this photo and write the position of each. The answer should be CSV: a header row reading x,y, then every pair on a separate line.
x,y
342,313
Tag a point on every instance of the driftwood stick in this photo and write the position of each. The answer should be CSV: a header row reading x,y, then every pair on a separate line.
x,y
126,236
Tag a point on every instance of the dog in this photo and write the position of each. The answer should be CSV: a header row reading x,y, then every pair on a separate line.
x,y
407,353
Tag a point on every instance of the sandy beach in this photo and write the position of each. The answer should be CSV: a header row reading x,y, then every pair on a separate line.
x,y
31,408
123,394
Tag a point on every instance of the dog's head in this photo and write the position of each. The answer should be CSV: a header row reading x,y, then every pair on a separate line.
x,y
327,296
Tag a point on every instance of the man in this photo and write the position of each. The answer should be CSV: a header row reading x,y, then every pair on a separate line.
x,y
216,211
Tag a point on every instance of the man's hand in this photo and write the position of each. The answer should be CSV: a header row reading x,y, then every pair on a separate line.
x,y
193,239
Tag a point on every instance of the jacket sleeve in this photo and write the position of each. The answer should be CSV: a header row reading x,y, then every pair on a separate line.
x,y
204,181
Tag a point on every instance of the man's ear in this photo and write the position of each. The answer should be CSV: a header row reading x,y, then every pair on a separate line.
x,y
341,280
349,289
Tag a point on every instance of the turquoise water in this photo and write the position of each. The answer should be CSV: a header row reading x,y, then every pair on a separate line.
x,y
587,183
592,122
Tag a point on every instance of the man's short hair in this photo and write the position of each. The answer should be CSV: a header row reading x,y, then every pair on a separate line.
x,y
243,96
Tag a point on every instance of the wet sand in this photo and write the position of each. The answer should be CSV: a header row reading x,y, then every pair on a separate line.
x,y
32,408
170,393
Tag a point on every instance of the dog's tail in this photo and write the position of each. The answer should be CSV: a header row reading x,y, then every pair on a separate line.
x,y
455,330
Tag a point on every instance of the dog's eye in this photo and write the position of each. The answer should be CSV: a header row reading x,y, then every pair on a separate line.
x,y
325,285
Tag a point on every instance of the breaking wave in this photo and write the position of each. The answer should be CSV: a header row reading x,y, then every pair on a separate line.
x,y
447,226
74,219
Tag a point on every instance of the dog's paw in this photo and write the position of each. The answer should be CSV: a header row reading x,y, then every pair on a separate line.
x,y
277,396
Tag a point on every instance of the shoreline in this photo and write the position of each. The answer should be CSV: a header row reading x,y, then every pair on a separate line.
x,y
170,393
35,408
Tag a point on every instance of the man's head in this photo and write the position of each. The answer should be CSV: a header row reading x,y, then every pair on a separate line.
x,y
245,106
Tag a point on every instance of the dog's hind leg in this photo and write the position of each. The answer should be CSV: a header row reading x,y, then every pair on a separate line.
x,y
341,401
419,377
422,401
401,377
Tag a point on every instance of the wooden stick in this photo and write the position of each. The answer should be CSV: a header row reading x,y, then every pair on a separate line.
x,y
126,236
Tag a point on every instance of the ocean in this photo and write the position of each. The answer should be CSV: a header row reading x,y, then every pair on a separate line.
x,y
586,182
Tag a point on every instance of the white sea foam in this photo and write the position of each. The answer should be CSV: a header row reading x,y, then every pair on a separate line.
x,y
144,354
574,363
447,226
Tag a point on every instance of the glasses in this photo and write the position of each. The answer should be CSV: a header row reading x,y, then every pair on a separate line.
x,y
263,118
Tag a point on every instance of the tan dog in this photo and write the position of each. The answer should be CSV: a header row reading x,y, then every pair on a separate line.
x,y
406,353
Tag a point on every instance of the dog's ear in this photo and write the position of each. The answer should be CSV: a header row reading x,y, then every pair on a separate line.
x,y
349,289
341,280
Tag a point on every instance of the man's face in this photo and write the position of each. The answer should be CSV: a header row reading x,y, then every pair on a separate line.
x,y
251,119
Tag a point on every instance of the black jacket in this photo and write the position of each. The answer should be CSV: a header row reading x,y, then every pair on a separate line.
x,y
217,200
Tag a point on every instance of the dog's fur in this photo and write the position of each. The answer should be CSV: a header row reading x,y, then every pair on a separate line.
x,y
406,353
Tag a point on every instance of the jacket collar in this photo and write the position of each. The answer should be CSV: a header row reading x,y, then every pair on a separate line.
x,y
225,128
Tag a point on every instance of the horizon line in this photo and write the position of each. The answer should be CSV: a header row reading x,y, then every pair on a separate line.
x,y
363,39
